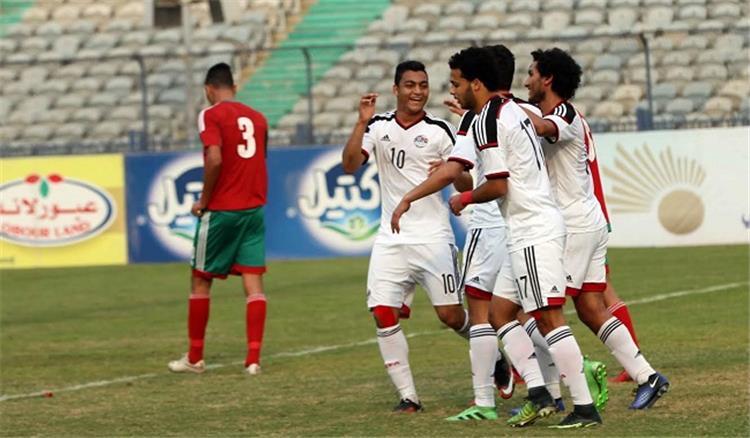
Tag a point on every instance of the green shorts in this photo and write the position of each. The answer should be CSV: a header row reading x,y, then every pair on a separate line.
x,y
229,242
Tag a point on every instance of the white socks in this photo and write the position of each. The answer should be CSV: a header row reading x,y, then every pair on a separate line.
x,y
616,337
520,350
483,353
546,363
395,353
567,356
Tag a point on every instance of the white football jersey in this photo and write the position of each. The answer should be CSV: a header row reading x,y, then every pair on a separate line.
x,y
568,155
505,142
486,214
403,155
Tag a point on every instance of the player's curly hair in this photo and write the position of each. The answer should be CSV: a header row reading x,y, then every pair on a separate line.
x,y
478,63
564,70
506,64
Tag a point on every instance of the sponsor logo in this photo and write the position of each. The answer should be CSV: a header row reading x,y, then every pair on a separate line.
x,y
53,210
667,186
385,138
175,188
341,211
421,141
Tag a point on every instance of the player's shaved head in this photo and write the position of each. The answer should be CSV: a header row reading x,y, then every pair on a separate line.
x,y
561,67
405,66
478,63
220,76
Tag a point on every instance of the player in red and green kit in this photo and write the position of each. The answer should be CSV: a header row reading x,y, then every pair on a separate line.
x,y
230,234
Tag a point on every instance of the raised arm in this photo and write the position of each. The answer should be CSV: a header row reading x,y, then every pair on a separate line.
x,y
351,157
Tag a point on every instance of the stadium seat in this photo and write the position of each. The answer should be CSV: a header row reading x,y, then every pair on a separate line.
x,y
609,110
607,62
679,106
622,19
66,12
736,89
718,107
657,18
70,131
725,10
715,72
38,132
124,113
72,100
589,17
679,74
591,93
464,8
493,7
555,20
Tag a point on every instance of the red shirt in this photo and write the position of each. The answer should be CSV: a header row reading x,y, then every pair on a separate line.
x,y
241,132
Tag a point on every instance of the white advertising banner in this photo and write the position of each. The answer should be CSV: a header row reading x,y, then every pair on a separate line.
x,y
677,188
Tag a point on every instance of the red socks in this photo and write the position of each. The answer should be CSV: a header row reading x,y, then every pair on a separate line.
x,y
198,308
620,311
255,319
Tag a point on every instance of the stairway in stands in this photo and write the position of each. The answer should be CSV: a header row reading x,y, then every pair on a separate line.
x,y
328,30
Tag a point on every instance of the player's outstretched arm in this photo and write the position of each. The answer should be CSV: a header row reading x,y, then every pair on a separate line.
x,y
462,183
438,180
351,158
543,128
486,192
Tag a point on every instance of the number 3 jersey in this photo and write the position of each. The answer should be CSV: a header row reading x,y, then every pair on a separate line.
x,y
503,139
241,132
403,155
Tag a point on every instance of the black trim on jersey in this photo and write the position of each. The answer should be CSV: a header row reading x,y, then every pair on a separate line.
x,y
468,165
378,117
565,111
485,130
465,124
443,125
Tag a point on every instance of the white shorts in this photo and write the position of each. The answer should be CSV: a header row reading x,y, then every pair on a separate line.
x,y
585,261
396,269
485,252
536,277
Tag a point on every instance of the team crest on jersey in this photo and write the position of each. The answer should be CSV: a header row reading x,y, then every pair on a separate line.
x,y
421,141
341,211
175,188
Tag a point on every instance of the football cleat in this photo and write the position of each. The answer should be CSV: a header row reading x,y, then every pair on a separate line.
x,y
596,378
582,416
183,365
407,406
559,405
539,404
503,376
253,369
650,391
475,413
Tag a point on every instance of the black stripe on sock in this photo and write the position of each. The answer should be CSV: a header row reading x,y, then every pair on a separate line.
x,y
611,327
530,327
389,332
502,334
557,337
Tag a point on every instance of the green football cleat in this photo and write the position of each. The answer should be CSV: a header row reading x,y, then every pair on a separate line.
x,y
530,412
596,377
475,413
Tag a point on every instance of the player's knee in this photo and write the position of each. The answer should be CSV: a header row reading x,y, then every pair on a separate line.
x,y
591,310
452,316
385,316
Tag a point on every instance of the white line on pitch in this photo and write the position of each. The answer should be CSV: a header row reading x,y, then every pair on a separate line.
x,y
324,349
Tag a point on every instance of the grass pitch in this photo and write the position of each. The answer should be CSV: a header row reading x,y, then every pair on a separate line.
x,y
98,340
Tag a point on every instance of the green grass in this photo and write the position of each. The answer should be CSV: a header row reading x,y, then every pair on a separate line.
x,y
61,328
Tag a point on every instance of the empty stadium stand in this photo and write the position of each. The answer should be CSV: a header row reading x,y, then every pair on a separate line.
x,y
70,71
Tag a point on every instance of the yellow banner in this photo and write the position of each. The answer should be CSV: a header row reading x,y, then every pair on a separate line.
x,y
62,211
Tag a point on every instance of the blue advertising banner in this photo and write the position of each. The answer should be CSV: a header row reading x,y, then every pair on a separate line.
x,y
314,209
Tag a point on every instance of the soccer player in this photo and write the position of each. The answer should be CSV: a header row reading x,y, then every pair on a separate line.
x,y
502,139
230,234
403,144
553,78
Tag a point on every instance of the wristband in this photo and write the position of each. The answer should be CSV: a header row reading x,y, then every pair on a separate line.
x,y
467,197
